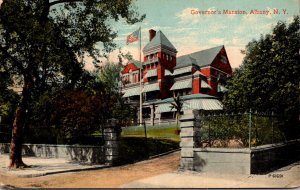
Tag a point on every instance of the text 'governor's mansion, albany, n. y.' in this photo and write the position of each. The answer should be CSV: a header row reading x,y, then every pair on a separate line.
x,y
198,78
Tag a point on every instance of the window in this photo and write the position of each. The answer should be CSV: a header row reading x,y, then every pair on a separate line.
x,y
223,59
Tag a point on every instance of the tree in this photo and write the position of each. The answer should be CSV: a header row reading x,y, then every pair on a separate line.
x,y
8,98
109,76
43,44
268,79
79,112
177,105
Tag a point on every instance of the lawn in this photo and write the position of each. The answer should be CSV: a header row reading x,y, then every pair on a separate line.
x,y
158,132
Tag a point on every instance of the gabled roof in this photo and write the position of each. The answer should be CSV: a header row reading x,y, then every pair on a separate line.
x,y
179,71
200,58
159,40
182,84
198,104
136,91
186,60
136,63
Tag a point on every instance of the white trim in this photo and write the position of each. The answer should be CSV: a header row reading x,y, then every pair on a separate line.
x,y
214,68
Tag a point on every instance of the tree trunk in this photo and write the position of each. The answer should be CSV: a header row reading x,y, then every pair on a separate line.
x,y
177,124
17,130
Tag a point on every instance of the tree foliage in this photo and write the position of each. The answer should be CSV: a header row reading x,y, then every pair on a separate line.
x,y
43,44
268,79
81,111
8,98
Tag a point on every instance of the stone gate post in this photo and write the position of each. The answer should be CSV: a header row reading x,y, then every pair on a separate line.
x,y
190,124
112,138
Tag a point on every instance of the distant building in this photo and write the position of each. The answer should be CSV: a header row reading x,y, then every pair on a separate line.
x,y
198,78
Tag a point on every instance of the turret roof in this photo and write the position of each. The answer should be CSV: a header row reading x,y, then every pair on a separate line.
x,y
159,40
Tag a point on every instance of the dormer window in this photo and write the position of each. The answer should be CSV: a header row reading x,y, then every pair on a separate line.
x,y
223,59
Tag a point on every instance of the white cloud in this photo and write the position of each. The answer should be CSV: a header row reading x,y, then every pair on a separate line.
x,y
255,24
290,20
216,41
237,42
191,15
113,57
132,49
217,27
185,14
270,15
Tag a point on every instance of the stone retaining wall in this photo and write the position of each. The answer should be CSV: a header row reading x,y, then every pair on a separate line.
x,y
256,160
222,160
86,154
107,154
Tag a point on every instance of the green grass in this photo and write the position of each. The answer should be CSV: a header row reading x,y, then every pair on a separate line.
x,y
158,132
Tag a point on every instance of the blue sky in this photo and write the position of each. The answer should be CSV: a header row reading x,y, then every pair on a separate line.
x,y
190,33
193,32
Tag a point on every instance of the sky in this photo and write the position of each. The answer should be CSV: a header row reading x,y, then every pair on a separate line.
x,y
190,31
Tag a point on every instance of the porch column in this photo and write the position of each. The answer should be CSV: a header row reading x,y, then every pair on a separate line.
x,y
152,116
157,116
138,115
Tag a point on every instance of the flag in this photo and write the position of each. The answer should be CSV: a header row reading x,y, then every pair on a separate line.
x,y
133,37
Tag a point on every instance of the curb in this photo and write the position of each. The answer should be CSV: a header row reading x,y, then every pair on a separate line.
x,y
62,171
163,154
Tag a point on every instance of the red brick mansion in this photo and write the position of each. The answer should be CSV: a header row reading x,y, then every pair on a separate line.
x,y
198,78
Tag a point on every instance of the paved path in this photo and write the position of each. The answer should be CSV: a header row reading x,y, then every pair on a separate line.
x,y
156,173
288,176
44,166
111,177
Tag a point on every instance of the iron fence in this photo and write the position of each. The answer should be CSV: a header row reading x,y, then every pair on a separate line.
x,y
241,130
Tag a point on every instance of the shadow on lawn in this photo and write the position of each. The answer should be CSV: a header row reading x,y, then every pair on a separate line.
x,y
133,149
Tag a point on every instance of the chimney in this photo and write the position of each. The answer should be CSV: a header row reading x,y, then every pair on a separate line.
x,y
152,34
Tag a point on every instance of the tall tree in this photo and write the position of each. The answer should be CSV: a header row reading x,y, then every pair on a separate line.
x,y
42,43
268,79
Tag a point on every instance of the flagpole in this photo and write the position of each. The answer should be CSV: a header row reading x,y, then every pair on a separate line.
x,y
141,99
